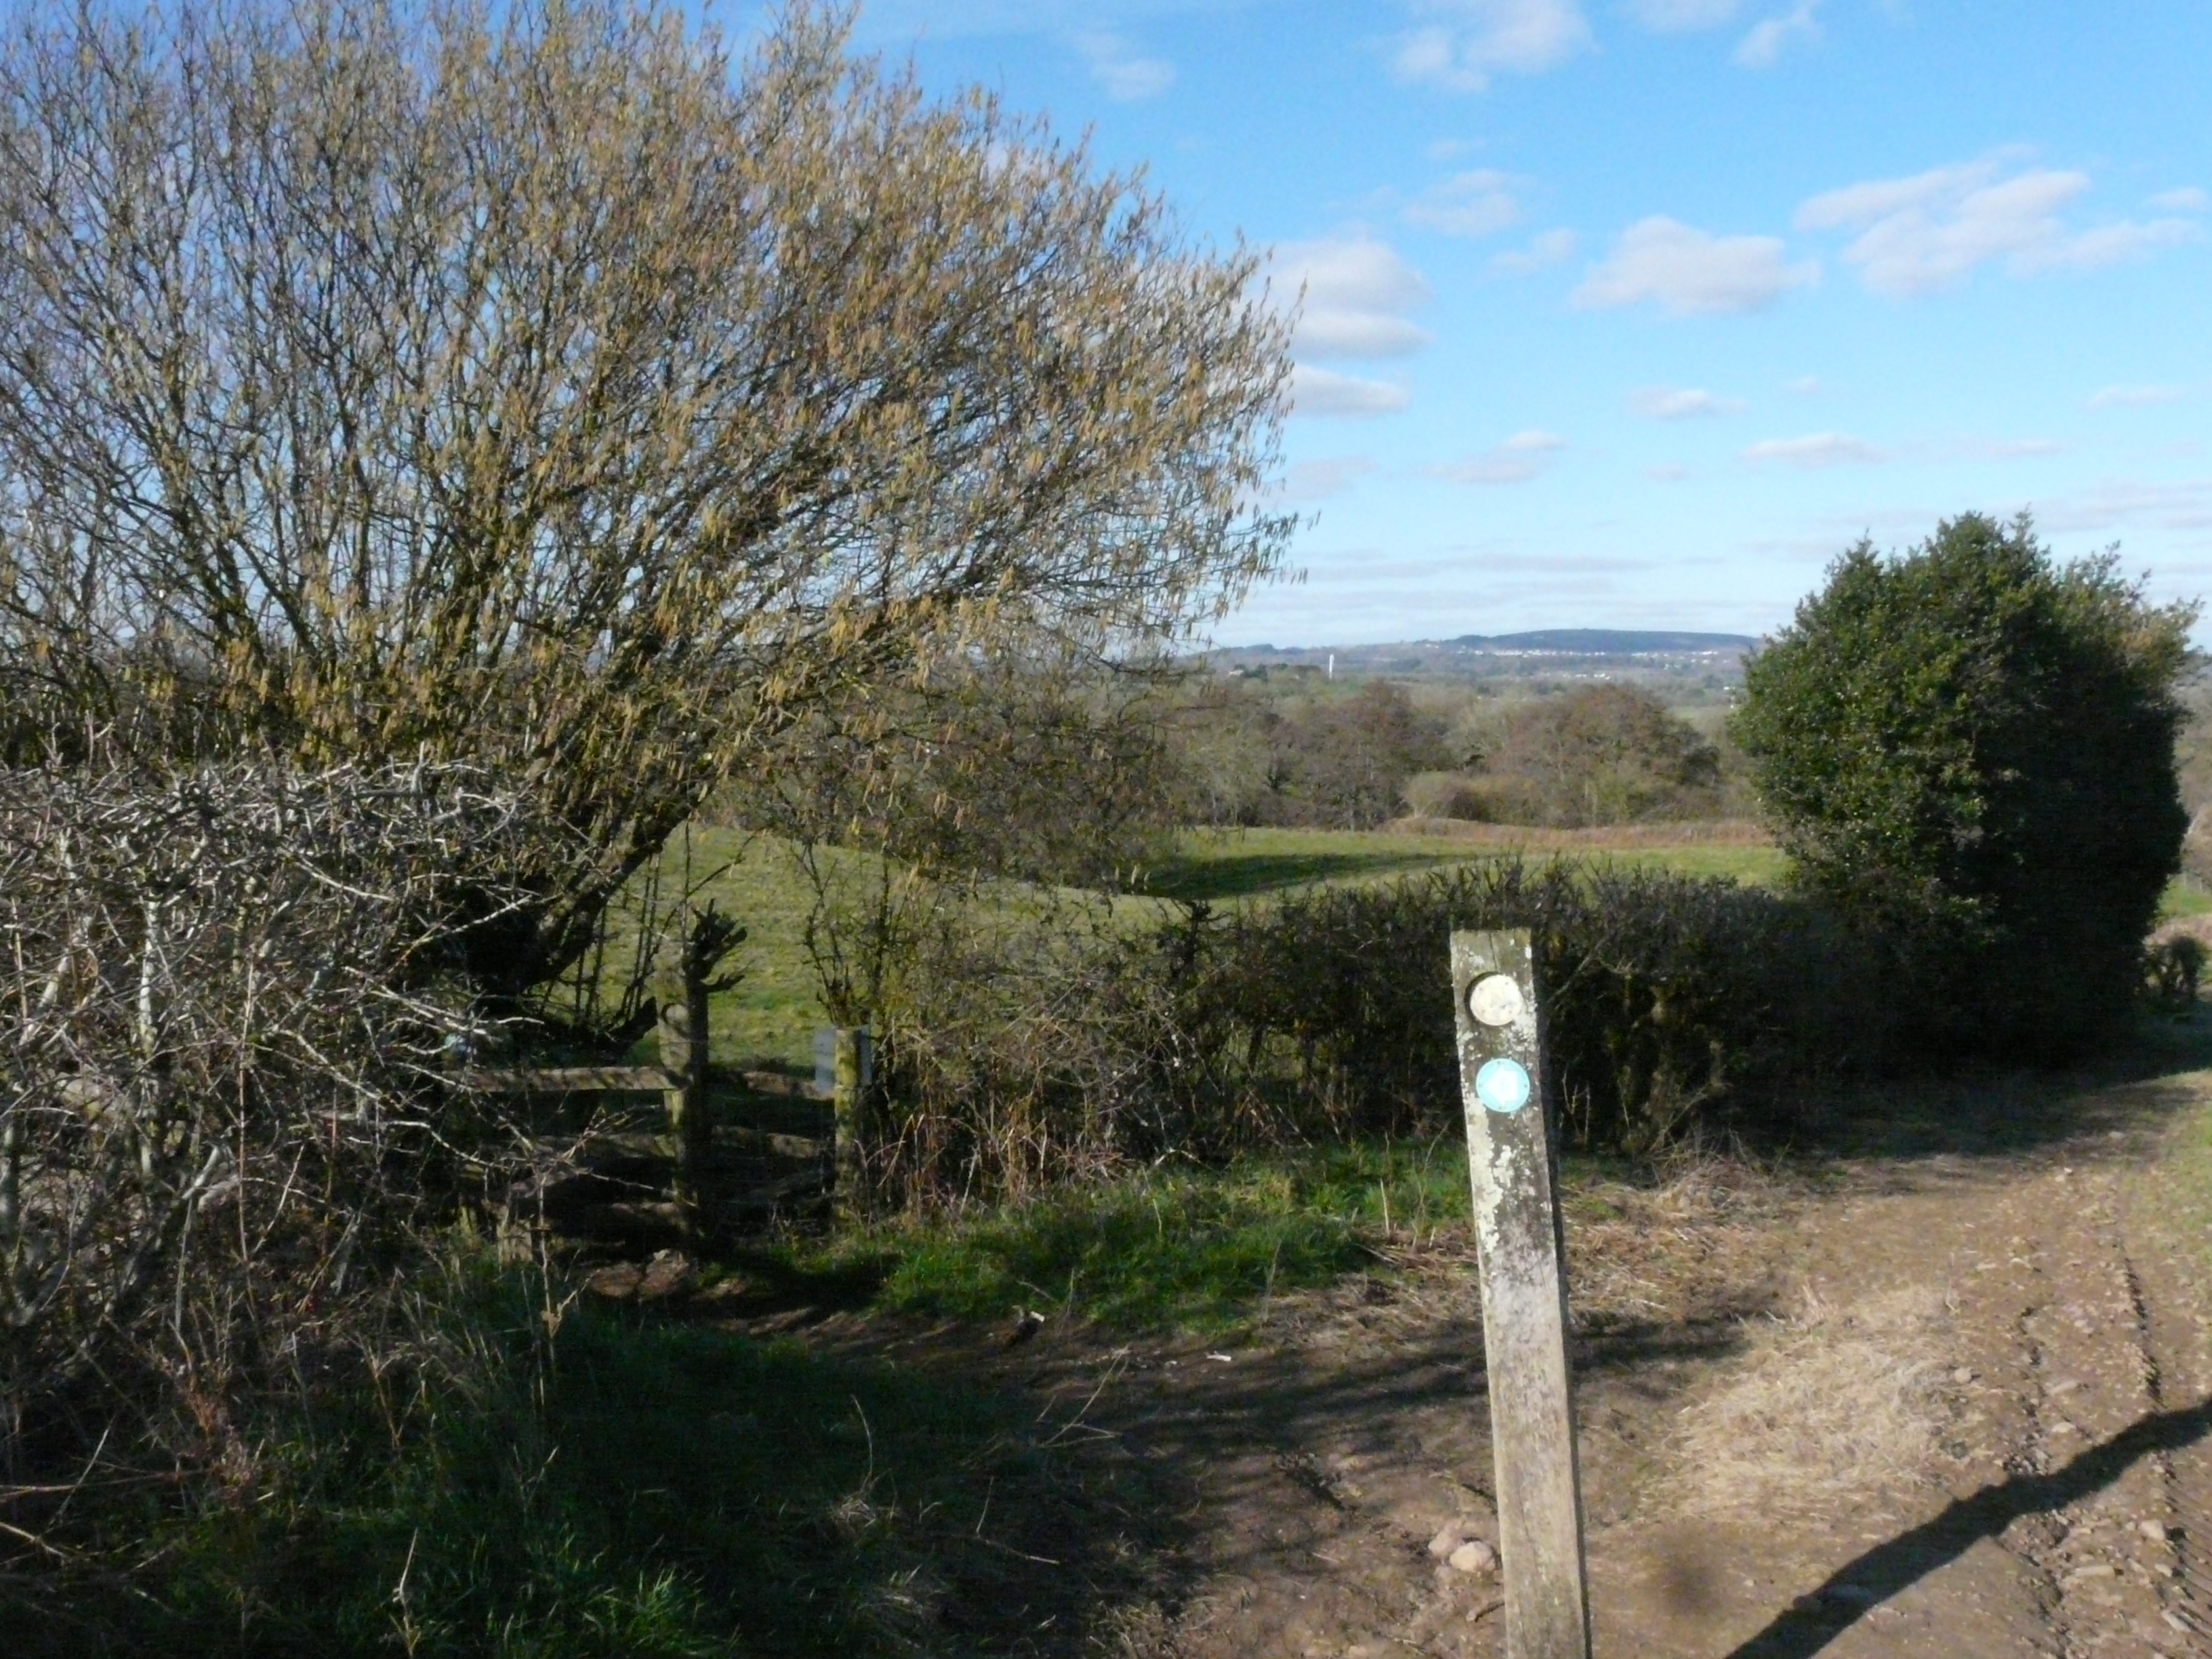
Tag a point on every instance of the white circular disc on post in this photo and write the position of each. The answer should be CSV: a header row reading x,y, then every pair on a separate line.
x,y
1502,1084
1496,999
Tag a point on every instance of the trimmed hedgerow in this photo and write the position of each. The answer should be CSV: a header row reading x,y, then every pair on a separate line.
x,y
1016,1057
1667,996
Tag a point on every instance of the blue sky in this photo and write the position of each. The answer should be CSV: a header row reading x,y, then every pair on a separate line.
x,y
1635,312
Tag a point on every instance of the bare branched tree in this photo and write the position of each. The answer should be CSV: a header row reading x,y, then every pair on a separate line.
x,y
226,999
538,384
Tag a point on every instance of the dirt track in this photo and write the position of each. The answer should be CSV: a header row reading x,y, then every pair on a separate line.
x,y
1951,1402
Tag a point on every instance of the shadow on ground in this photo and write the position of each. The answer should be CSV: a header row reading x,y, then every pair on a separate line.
x,y
1883,1572
1247,875
2119,1099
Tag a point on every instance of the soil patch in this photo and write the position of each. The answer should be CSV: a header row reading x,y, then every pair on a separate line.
x,y
1909,1402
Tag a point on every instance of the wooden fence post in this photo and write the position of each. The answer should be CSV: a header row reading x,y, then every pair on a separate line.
x,y
1524,1298
845,1060
683,1033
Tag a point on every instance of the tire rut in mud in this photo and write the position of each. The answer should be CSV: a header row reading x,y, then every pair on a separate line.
x,y
2166,1258
2105,1562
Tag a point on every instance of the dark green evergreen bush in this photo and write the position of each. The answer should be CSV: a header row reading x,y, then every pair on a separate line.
x,y
1968,752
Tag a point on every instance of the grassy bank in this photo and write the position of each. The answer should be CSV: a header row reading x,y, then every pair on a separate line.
x,y
627,1487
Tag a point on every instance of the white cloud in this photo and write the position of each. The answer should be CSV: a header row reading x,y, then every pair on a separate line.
x,y
1357,293
2111,245
2120,502
1472,39
1324,332
2131,397
1763,47
1322,391
1816,449
1552,247
1479,203
1315,480
1518,459
1926,233
2190,200
1804,386
1667,474
1660,403
1997,449
1676,16
1690,272
1124,74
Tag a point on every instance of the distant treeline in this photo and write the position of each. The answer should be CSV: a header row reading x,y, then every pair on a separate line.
x,y
1354,757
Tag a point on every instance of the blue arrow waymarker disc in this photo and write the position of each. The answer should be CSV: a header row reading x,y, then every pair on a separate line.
x,y
1501,1085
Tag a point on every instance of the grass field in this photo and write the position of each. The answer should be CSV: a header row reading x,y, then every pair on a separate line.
x,y
1233,864
770,1018
2185,896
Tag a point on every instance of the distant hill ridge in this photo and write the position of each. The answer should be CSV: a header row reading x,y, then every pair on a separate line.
x,y
1588,644
1604,641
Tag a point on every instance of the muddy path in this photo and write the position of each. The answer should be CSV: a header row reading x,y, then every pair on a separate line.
x,y
1953,1399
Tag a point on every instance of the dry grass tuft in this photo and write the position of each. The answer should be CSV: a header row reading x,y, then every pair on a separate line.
x,y
1826,1407
1684,1250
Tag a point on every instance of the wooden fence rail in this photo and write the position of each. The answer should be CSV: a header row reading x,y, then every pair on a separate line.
x,y
571,1080
624,1079
681,1081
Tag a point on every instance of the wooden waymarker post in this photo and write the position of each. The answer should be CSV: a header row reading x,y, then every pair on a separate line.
x,y
1524,1296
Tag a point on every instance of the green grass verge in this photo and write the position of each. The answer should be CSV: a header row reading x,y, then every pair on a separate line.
x,y
657,1489
2182,1184
1194,1250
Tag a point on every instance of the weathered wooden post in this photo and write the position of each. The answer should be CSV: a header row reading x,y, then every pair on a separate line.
x,y
1524,1295
709,936
683,1056
844,1068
